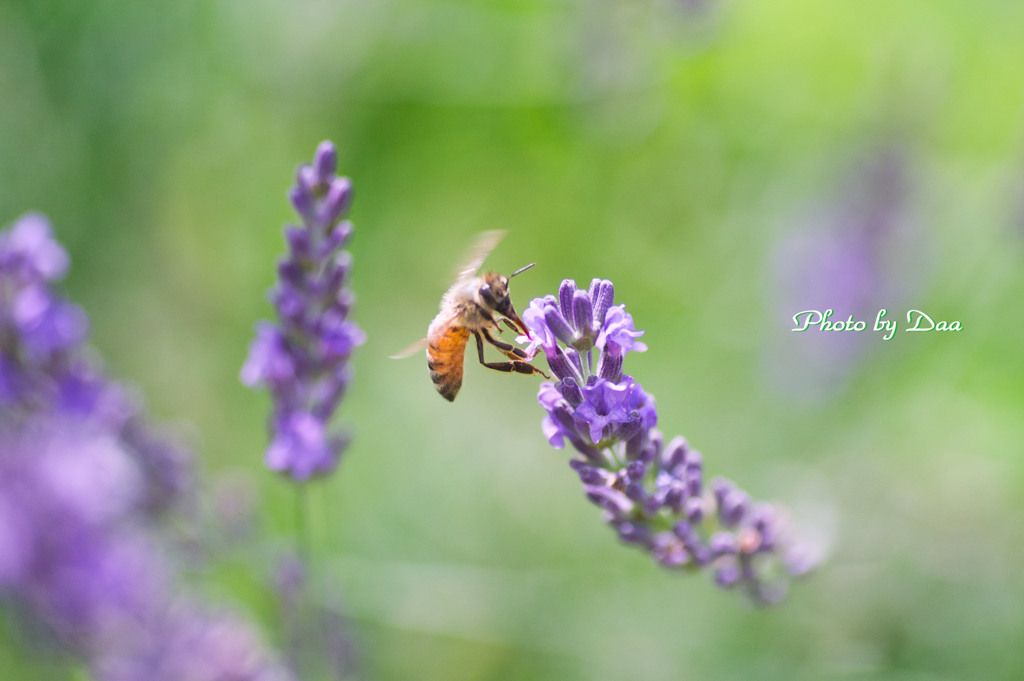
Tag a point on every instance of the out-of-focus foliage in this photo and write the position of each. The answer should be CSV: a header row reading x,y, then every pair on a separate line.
x,y
675,147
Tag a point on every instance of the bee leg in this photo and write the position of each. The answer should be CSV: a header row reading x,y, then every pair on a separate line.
x,y
507,349
513,353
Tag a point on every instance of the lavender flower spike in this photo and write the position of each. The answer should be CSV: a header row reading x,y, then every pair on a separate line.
x,y
654,495
88,491
303,359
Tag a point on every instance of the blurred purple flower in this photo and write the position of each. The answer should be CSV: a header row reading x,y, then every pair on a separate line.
x,y
85,485
191,641
652,494
31,260
302,446
855,256
303,359
315,630
79,559
29,253
270,362
44,368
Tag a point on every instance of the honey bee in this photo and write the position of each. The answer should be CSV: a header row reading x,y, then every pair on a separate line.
x,y
473,306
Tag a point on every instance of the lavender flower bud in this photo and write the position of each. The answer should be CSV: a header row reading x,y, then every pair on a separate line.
x,y
302,201
613,501
675,453
628,429
565,297
298,242
701,555
590,475
325,162
635,533
694,460
720,487
650,445
602,293
577,363
583,314
293,274
733,507
693,509
674,498
558,325
571,391
635,470
669,551
339,196
762,519
727,575
693,479
344,301
338,238
610,367
562,368
636,446
723,543
635,491
654,503
307,181
684,530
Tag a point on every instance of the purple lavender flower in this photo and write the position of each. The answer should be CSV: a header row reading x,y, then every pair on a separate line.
x,y
191,641
45,369
856,254
653,494
314,628
303,360
37,328
85,485
29,253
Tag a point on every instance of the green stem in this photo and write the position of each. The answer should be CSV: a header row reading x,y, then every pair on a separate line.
x,y
302,524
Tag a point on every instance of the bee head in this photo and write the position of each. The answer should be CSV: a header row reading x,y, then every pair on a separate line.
x,y
494,293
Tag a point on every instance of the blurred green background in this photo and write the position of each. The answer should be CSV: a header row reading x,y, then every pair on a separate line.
x,y
672,147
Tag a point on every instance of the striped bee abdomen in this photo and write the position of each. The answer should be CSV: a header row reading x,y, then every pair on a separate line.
x,y
446,354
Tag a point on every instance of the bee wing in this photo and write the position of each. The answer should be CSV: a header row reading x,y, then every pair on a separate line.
x,y
411,350
484,244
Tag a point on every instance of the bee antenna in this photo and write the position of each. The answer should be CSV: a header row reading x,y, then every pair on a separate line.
x,y
521,270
